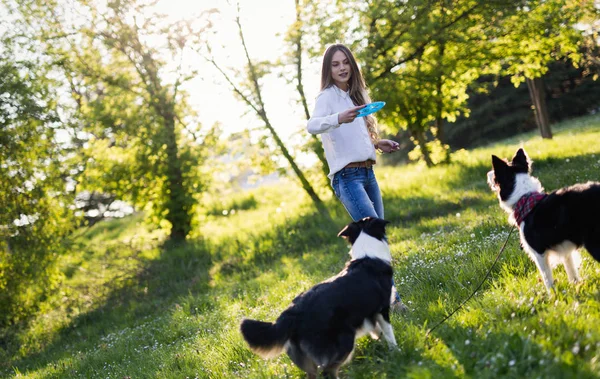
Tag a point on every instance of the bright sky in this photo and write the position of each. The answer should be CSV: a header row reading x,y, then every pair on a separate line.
x,y
264,23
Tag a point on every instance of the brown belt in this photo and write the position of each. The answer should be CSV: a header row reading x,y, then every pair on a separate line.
x,y
368,164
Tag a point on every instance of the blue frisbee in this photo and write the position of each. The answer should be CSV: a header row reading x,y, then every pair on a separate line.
x,y
370,108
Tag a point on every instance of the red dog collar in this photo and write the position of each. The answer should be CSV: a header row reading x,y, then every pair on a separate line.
x,y
526,204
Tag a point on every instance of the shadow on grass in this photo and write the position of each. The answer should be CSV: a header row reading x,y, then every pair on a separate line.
x,y
187,271
182,275
109,229
408,211
151,290
373,359
514,349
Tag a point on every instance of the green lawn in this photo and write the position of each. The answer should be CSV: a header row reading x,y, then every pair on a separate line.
x,y
130,308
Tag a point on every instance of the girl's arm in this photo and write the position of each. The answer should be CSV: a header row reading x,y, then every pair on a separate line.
x,y
387,146
322,120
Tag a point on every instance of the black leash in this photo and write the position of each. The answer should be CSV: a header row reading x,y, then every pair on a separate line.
x,y
476,289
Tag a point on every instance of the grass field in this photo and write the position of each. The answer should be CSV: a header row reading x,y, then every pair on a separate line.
x,y
130,308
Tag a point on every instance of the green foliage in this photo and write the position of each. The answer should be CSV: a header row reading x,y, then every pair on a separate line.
x,y
436,150
137,138
499,110
34,198
424,57
549,34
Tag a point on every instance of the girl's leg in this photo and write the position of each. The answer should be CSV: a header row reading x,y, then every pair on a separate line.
x,y
372,189
349,187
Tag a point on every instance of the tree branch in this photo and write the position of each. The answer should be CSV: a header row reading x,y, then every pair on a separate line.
x,y
232,84
419,50
251,67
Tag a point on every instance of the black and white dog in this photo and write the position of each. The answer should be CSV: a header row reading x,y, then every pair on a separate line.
x,y
319,328
552,226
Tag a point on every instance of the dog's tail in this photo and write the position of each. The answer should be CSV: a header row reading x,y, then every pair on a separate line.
x,y
266,339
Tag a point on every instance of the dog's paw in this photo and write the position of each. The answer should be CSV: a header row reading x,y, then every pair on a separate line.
x,y
399,307
393,348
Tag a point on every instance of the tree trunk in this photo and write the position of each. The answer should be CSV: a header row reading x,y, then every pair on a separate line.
x,y
439,120
177,205
419,135
305,184
538,101
315,143
439,126
439,123
259,107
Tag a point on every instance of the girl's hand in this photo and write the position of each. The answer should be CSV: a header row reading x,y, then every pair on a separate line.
x,y
387,146
349,114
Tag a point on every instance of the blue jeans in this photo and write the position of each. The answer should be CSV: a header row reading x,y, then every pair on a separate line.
x,y
357,189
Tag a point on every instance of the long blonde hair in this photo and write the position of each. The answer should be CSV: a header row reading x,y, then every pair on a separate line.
x,y
357,87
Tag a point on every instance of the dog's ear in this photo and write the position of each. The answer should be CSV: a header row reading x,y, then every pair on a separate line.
x,y
379,222
500,171
376,227
521,160
499,165
350,232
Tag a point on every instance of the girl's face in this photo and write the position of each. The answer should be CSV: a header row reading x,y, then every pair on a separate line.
x,y
340,70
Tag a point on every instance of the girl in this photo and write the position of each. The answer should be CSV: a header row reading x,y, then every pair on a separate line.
x,y
349,142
